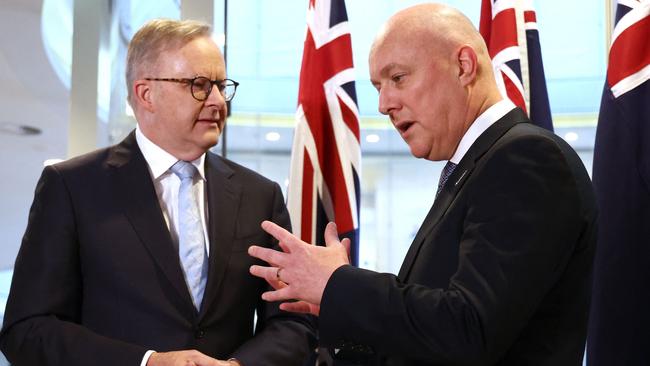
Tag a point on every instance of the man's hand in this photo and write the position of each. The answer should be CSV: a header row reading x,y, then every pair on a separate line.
x,y
186,358
300,272
295,306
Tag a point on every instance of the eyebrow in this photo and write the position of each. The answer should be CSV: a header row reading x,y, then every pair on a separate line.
x,y
386,70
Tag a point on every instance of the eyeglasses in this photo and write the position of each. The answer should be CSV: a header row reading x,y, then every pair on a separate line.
x,y
200,86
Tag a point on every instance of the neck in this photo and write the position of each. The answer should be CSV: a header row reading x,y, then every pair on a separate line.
x,y
481,104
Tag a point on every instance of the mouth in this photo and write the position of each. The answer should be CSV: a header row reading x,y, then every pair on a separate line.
x,y
403,126
208,121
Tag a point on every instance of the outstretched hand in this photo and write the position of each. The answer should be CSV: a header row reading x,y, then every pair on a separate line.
x,y
302,270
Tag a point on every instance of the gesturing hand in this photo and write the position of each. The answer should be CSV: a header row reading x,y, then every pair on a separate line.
x,y
185,358
303,269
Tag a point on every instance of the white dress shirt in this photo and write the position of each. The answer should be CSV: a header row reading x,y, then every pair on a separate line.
x,y
167,185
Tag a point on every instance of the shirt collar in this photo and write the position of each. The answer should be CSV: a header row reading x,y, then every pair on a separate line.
x,y
482,123
159,160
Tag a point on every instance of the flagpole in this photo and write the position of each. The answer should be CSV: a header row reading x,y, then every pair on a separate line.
x,y
609,26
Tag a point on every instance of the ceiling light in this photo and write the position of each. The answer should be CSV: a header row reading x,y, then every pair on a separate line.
x,y
16,129
372,138
272,136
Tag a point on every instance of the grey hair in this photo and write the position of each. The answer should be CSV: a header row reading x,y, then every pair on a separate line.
x,y
154,37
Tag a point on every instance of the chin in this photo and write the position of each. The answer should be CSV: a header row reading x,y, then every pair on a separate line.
x,y
212,137
419,152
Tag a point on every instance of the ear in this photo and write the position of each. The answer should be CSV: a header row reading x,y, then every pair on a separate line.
x,y
143,95
467,65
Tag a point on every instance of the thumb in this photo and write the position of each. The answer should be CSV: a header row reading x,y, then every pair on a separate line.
x,y
331,236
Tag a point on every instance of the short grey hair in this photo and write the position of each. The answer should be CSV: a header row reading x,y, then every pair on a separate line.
x,y
153,38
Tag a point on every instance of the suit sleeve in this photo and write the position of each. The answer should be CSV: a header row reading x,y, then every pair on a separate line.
x,y
43,313
518,231
281,338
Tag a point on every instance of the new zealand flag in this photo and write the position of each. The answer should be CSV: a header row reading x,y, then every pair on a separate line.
x,y
326,154
619,326
510,32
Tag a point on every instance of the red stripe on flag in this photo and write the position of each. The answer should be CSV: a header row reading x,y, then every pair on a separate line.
x,y
506,36
317,67
530,17
485,25
307,207
350,119
330,164
630,52
513,92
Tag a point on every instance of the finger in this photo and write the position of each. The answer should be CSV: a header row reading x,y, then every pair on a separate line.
x,y
284,247
267,255
282,294
302,307
346,244
276,285
222,363
331,236
267,273
200,359
276,230
286,239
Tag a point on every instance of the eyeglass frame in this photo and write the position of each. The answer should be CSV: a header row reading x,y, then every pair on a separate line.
x,y
190,82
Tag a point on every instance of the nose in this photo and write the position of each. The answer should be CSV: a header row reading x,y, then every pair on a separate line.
x,y
215,98
387,101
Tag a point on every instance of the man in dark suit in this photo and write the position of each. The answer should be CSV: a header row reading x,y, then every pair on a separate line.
x,y
127,260
499,272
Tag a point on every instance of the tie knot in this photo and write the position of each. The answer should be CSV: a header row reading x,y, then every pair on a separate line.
x,y
183,169
448,169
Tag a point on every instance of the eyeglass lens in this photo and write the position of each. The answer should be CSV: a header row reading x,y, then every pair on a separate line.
x,y
201,87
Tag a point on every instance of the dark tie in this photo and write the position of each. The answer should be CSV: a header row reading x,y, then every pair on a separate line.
x,y
446,172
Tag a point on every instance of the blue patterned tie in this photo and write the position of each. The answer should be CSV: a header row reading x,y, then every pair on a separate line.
x,y
446,172
191,241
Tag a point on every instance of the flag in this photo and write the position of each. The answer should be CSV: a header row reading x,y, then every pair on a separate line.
x,y
619,324
510,31
326,153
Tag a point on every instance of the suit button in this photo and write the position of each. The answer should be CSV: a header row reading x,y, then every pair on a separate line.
x,y
199,334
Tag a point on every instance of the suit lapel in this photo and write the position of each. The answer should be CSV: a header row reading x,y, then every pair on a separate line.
x,y
134,188
456,181
223,206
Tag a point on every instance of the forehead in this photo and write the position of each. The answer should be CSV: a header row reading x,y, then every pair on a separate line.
x,y
198,57
395,52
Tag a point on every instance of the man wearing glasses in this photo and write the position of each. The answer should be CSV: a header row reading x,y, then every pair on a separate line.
x,y
137,254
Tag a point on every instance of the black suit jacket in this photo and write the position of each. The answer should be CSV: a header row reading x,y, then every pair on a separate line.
x,y
499,272
97,280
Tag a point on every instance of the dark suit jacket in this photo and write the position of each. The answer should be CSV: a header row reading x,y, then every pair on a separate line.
x,y
499,272
97,280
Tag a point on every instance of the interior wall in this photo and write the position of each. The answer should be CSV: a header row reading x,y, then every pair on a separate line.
x,y
30,94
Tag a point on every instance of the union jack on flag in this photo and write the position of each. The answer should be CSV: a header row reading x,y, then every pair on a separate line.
x,y
326,154
619,320
509,28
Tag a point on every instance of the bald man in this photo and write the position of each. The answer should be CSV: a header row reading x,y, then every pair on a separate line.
x,y
499,272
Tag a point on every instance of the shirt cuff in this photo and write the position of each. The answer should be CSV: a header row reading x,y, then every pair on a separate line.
x,y
145,359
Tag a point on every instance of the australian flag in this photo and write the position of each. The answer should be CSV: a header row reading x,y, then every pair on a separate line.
x,y
619,325
326,153
510,32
